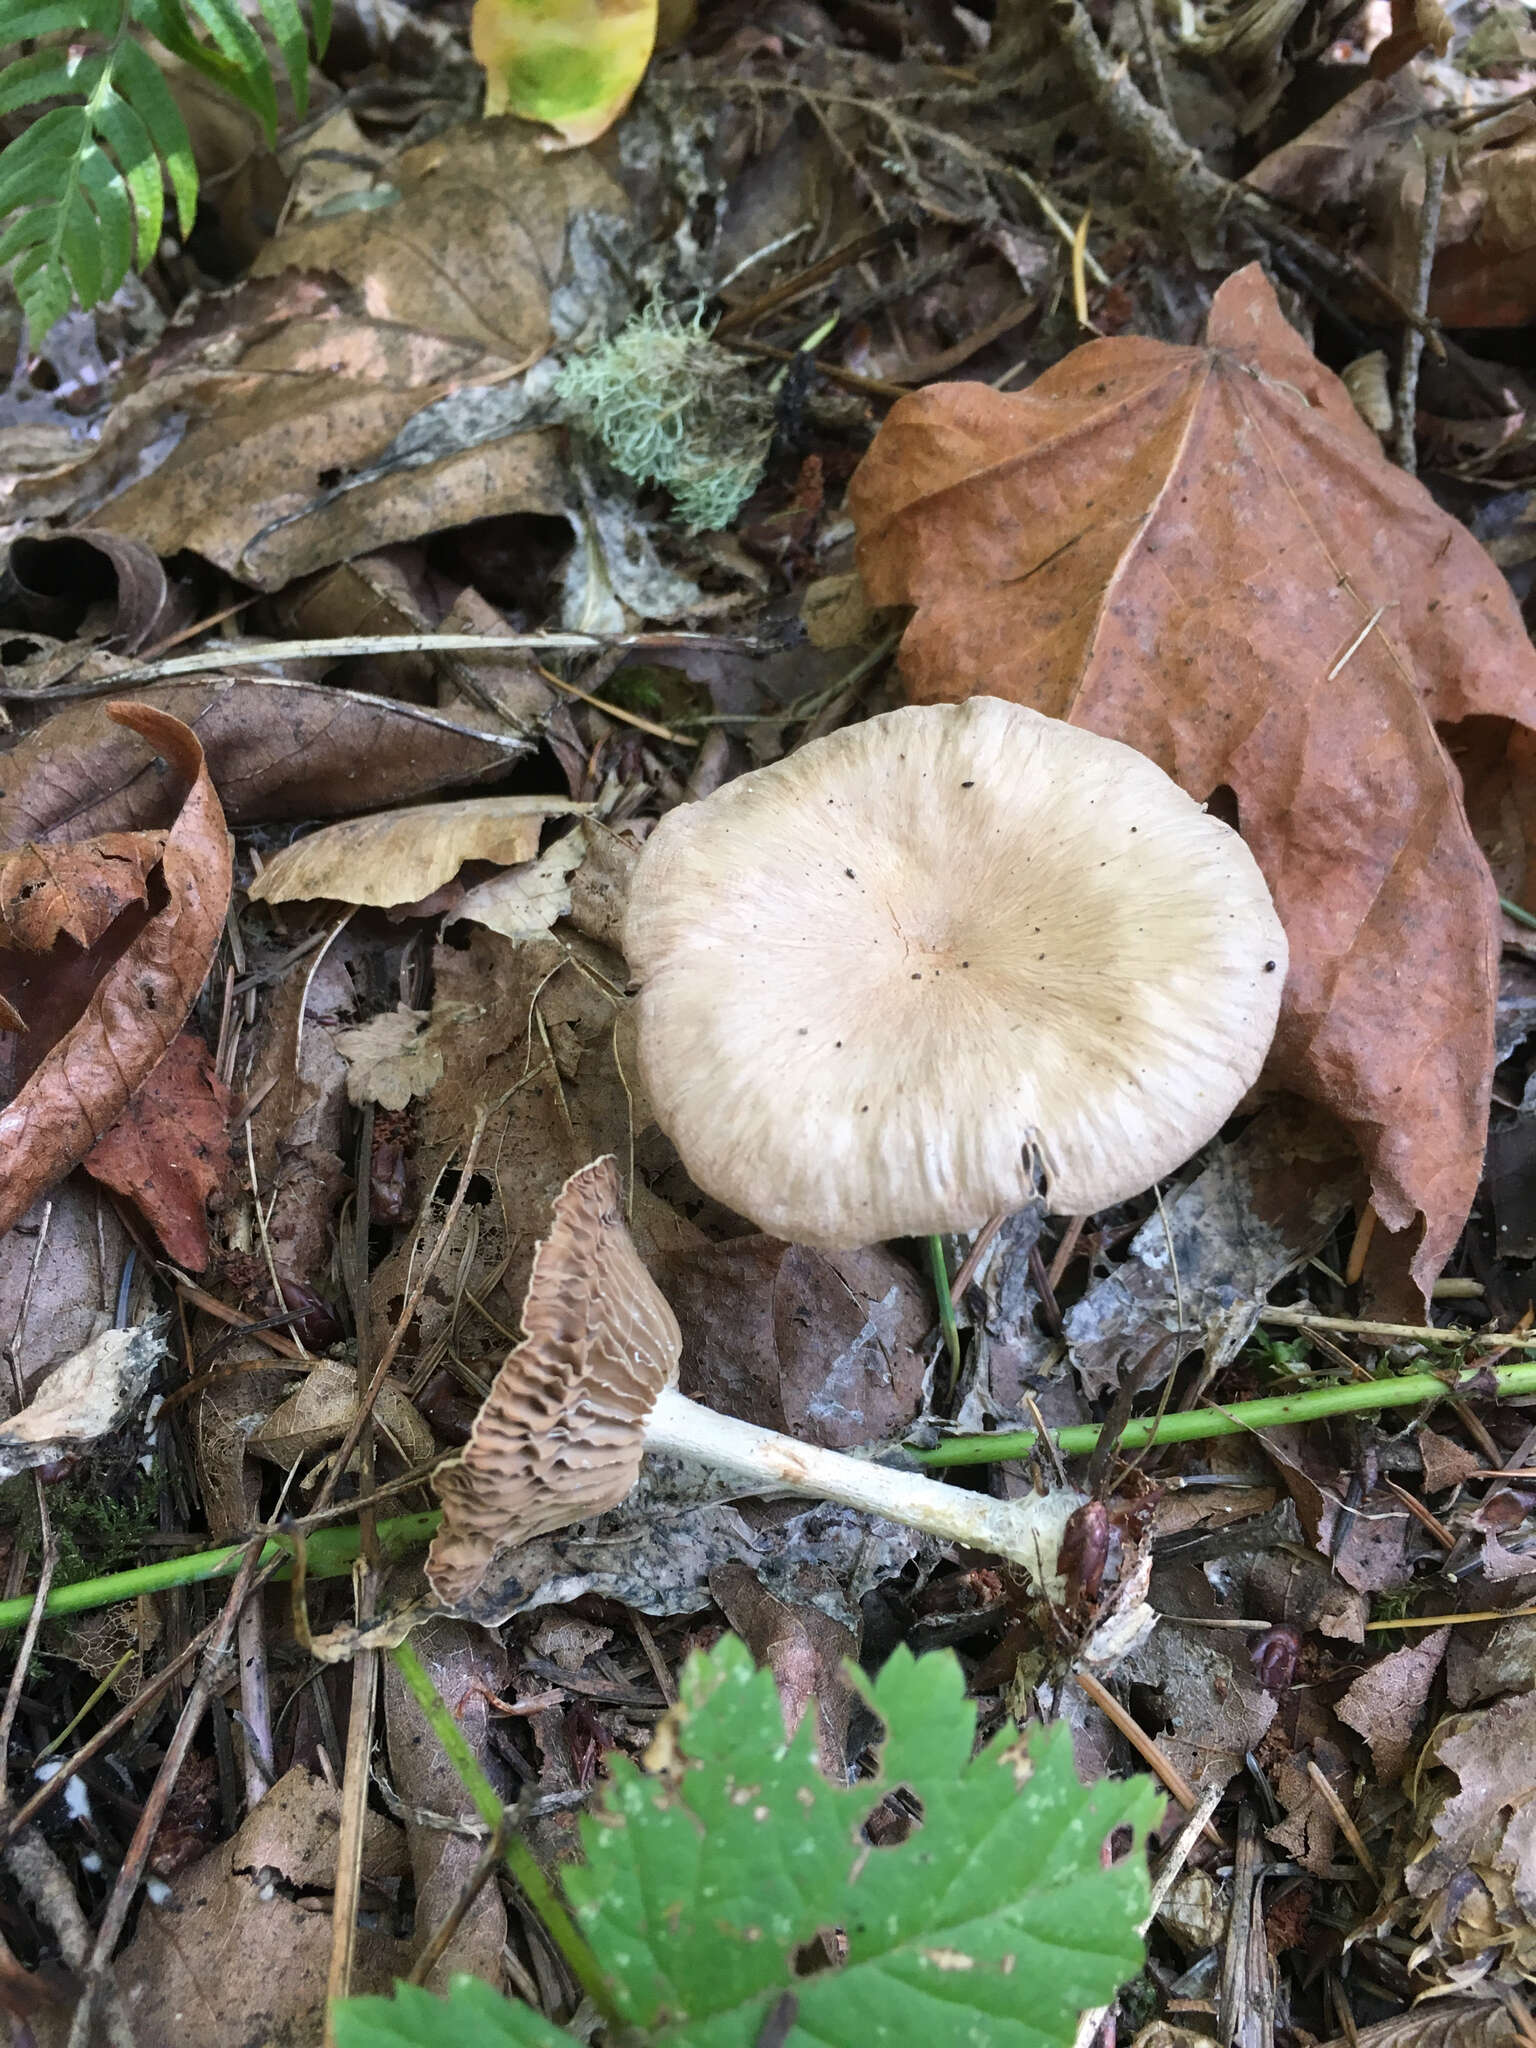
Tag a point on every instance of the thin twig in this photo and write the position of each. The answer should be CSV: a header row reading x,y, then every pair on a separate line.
x,y
1346,1823
1144,1746
1405,442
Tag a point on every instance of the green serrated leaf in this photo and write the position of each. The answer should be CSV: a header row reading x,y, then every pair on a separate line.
x,y
108,196
20,23
474,2017
43,290
39,159
995,1921
248,74
130,142
139,79
76,245
49,75
287,26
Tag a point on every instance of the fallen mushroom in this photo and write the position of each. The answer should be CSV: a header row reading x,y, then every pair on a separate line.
x,y
886,980
590,1387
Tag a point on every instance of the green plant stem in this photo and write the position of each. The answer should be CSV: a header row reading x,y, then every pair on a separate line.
x,y
1355,1397
332,1550
330,1555
947,1322
1513,910
519,1858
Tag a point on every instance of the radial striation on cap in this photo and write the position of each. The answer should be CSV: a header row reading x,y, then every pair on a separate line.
x,y
560,1434
879,974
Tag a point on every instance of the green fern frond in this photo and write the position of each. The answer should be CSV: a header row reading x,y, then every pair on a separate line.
x,y
82,189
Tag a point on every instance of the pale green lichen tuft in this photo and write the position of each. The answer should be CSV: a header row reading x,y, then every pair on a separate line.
x,y
669,407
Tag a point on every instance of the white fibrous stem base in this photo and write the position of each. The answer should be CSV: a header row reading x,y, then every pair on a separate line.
x,y
1026,1532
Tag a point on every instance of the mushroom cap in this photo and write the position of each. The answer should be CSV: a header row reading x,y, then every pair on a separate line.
x,y
560,1433
887,978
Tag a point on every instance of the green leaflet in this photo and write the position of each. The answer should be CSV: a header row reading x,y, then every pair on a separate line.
x,y
82,187
995,1921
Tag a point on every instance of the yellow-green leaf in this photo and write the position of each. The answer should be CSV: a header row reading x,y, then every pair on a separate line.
x,y
572,64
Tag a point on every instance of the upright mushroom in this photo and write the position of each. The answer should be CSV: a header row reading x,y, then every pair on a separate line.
x,y
887,979
590,1387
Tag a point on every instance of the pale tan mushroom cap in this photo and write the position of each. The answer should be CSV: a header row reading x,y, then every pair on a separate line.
x,y
560,1435
875,973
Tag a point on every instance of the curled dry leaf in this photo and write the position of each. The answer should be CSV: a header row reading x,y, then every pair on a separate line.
x,y
88,585
74,891
599,1343
275,750
401,856
1203,552
82,1084
86,1397
169,1150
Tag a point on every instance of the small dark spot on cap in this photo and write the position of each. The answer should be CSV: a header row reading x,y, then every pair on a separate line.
x,y
1042,956
967,785
850,874
839,1043
917,977
1269,966
865,1110
805,1031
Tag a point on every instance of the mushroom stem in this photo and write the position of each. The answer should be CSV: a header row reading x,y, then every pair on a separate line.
x,y
1026,1532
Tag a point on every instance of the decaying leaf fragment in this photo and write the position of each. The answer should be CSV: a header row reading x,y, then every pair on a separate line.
x,y
524,902
85,1398
599,1343
573,64
74,891
399,857
141,1002
1203,552
169,1150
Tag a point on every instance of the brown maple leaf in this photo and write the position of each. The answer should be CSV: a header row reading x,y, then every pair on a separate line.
x,y
1203,552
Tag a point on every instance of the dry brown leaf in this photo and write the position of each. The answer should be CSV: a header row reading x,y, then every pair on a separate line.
x,y
77,891
320,1412
402,856
275,750
523,903
466,1665
824,1346
238,1955
306,430
598,1339
1203,552
169,1150
1475,1870
140,1004
1385,1702
471,247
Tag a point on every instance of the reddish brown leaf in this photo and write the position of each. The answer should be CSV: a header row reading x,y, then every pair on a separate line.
x,y
141,1002
76,891
1203,552
169,1150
